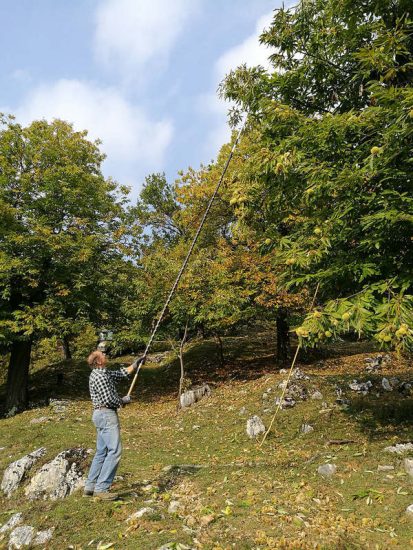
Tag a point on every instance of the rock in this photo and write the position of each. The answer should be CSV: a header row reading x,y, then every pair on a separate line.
x,y
190,397
327,470
175,546
40,420
394,382
306,429
140,513
21,536
399,448
283,371
385,468
409,511
299,375
174,506
59,405
386,385
317,395
374,363
255,427
283,385
58,478
408,466
180,469
43,537
361,387
287,403
298,392
242,411
158,357
12,522
16,471
12,412
265,396
405,389
206,520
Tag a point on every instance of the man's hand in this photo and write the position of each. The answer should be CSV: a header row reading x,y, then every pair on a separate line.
x,y
126,399
138,361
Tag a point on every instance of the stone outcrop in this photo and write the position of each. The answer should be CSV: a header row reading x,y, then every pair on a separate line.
x,y
255,427
16,472
190,397
58,478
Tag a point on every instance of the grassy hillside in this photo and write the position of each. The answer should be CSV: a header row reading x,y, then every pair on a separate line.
x,y
234,494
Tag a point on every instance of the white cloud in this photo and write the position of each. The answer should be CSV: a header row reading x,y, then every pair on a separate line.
x,y
130,34
133,143
250,52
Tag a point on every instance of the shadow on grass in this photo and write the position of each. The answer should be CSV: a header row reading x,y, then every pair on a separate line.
x,y
248,356
385,415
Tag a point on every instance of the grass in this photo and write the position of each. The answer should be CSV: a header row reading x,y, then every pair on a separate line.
x,y
242,496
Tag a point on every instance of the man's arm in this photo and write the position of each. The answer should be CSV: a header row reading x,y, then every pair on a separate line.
x,y
134,366
118,375
124,372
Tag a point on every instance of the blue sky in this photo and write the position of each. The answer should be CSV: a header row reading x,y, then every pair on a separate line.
x,y
141,75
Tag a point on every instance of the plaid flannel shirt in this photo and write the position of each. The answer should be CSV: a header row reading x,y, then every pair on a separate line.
x,y
102,387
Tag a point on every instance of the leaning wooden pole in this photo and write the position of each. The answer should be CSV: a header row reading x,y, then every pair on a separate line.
x,y
189,253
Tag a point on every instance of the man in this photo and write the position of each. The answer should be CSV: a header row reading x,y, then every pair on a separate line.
x,y
106,402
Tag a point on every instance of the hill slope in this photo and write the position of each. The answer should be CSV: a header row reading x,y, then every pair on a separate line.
x,y
226,491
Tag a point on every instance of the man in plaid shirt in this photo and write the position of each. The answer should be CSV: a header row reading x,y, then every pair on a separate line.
x,y
106,402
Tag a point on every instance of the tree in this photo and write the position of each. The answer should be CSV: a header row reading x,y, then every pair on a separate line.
x,y
62,241
328,173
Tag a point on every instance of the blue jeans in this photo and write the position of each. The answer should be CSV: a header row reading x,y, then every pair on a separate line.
x,y
108,451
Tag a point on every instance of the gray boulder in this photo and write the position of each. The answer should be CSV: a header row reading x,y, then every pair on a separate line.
x,y
58,478
408,466
317,395
40,420
255,427
361,387
306,428
21,536
385,467
327,470
59,405
299,375
13,521
386,385
26,536
399,448
174,506
140,513
190,397
43,537
16,471
286,403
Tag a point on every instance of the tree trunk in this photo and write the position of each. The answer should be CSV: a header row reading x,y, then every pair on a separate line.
x,y
18,375
221,349
67,354
181,361
283,336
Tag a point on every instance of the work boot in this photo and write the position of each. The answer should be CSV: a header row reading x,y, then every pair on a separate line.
x,y
106,496
88,493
